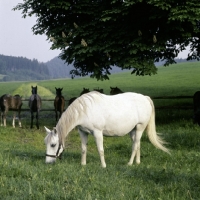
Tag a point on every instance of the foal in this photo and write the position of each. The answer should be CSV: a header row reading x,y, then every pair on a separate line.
x,y
35,104
14,103
59,103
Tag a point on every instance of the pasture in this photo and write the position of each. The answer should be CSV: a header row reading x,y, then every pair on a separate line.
x,y
24,174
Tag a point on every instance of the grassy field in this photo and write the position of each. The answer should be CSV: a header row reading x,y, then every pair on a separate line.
x,y
24,174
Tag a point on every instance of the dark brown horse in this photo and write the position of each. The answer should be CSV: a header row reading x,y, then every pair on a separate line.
x,y
85,90
35,104
115,90
59,103
99,90
9,102
196,103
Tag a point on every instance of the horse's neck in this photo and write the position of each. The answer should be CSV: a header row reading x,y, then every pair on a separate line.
x,y
66,123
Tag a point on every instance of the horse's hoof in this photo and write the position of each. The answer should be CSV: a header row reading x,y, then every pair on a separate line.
x,y
130,164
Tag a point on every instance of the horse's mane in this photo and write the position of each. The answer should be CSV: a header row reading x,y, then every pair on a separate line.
x,y
70,117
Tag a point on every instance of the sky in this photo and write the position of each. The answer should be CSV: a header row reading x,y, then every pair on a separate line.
x,y
17,38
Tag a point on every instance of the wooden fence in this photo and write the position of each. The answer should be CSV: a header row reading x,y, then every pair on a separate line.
x,y
157,107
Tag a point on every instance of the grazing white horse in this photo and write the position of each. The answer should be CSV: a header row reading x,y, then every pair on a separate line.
x,y
99,114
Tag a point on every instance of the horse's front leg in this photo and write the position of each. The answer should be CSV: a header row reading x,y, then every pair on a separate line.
x,y
98,135
84,141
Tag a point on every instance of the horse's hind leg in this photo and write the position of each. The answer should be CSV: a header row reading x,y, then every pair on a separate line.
x,y
32,117
19,118
37,119
136,135
1,118
14,117
56,116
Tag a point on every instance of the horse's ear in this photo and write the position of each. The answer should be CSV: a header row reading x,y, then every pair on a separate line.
x,y
55,88
47,130
61,89
54,130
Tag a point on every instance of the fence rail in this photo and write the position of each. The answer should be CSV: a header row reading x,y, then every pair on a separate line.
x,y
159,97
157,107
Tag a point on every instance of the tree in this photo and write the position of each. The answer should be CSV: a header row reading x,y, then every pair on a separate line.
x,y
132,34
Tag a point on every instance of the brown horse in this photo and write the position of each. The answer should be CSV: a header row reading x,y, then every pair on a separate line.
x,y
115,90
35,104
59,103
196,102
9,102
85,90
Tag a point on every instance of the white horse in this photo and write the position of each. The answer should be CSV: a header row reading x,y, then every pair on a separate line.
x,y
99,114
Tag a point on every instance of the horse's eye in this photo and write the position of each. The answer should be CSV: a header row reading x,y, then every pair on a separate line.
x,y
53,145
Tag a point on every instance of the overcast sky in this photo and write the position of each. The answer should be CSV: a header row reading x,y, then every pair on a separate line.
x,y
17,39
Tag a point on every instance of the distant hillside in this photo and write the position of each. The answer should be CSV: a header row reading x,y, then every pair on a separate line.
x,y
22,69
59,69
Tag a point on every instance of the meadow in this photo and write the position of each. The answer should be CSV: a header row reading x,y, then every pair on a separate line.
x,y
24,174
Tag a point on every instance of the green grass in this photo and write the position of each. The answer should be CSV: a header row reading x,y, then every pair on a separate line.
x,y
24,174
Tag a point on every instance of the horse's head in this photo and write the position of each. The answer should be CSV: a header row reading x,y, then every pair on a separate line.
x,y
115,90
34,90
54,145
85,90
59,91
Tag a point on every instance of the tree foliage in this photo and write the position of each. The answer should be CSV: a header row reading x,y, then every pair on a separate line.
x,y
132,34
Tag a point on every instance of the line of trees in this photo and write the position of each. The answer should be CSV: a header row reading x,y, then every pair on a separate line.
x,y
19,68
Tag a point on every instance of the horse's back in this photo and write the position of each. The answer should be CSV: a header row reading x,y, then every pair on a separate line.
x,y
35,102
116,113
59,102
11,102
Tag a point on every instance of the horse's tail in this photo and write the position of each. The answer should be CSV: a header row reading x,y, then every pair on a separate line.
x,y
155,139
